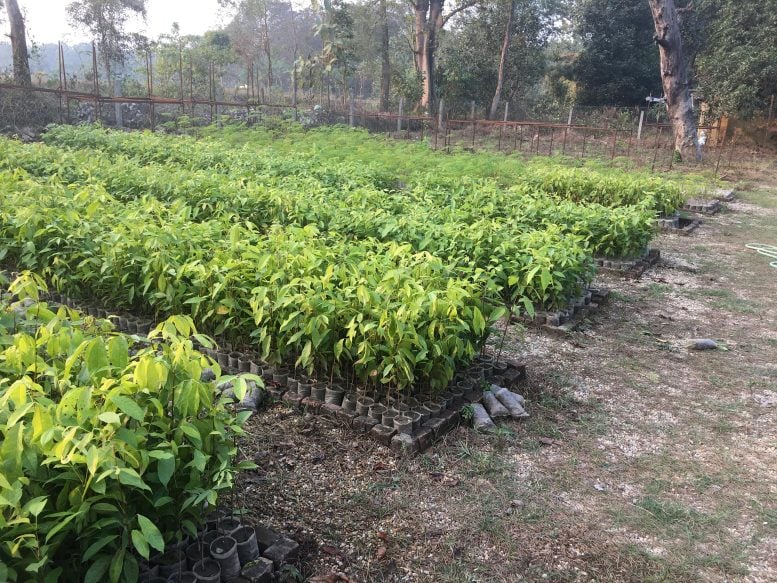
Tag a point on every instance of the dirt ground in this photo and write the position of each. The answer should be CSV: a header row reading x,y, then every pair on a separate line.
x,y
642,461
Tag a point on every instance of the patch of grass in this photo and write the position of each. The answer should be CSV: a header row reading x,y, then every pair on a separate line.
x,y
455,572
674,517
723,300
540,427
482,463
766,515
657,486
556,400
658,291
763,198
655,568
594,422
620,297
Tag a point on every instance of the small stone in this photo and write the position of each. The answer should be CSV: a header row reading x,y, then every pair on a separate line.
x,y
312,405
481,419
404,444
283,550
702,344
383,434
436,426
266,537
346,417
292,399
259,571
424,438
358,423
330,410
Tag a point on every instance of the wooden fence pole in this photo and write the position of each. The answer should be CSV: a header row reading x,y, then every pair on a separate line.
x,y
96,83
614,143
401,112
472,115
655,147
180,78
552,135
769,119
720,154
641,121
501,127
294,90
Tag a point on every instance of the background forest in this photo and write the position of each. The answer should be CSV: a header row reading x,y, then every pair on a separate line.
x,y
540,56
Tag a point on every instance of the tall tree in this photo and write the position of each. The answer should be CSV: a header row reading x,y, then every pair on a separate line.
x,y
500,76
472,51
385,62
428,22
675,79
18,36
105,21
736,62
617,63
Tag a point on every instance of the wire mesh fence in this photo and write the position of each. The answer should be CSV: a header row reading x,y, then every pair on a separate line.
x,y
189,94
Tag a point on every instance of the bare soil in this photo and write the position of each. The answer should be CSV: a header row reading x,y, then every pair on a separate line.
x,y
642,461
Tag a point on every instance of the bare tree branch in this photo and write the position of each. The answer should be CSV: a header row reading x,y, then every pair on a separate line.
x,y
455,11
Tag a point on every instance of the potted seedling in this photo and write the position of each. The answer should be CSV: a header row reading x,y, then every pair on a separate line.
x,y
247,547
224,550
208,570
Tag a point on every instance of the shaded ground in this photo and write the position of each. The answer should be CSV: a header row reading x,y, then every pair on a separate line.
x,y
662,463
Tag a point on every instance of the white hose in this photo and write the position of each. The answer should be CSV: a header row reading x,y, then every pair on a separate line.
x,y
766,250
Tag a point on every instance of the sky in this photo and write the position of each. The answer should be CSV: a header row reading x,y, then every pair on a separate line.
x,y
47,19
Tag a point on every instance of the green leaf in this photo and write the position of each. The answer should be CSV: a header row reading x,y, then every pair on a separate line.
x,y
151,533
130,477
478,322
98,569
128,407
96,546
109,417
118,350
36,505
191,432
117,565
96,358
165,469
131,569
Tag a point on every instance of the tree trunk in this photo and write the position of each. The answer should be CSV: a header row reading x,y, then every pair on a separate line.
x,y
21,59
674,76
433,24
385,64
266,45
421,9
500,76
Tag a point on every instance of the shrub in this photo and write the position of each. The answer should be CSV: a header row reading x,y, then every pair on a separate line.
x,y
107,446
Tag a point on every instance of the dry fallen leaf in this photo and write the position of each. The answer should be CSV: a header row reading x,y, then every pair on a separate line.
x,y
330,550
381,553
332,578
